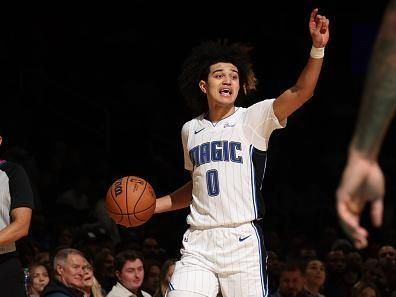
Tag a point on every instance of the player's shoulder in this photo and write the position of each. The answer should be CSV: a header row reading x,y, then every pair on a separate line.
x,y
266,103
193,122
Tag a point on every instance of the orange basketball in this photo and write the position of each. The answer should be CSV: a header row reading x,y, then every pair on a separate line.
x,y
130,201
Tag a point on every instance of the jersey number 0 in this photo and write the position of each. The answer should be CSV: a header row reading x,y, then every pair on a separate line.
x,y
212,182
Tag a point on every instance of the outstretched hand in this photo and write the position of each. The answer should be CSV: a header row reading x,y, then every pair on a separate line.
x,y
319,29
362,182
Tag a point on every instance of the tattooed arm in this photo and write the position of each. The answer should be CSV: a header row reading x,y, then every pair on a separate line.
x,y
363,181
379,96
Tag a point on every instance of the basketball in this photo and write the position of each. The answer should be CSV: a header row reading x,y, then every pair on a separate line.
x,y
130,201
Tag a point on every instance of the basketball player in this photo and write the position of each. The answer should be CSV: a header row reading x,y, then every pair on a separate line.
x,y
16,203
363,180
225,151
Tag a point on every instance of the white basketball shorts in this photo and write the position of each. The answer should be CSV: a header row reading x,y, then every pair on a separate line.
x,y
230,260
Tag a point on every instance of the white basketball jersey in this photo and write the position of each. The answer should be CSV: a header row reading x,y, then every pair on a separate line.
x,y
227,160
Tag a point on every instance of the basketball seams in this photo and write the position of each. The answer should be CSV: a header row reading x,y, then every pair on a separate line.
x,y
140,197
115,201
131,213
136,216
126,199
145,210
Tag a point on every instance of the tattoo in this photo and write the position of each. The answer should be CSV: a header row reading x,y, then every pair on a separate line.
x,y
379,95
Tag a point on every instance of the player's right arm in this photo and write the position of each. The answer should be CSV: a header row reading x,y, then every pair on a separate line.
x,y
181,198
362,180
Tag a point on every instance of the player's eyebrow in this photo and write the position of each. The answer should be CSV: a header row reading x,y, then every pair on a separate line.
x,y
220,70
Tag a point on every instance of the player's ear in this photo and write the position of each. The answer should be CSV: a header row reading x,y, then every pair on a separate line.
x,y
202,86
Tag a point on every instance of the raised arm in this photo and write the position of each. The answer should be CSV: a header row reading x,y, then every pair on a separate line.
x,y
362,180
297,95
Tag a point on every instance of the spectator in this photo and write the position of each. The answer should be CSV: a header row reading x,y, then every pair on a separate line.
x,y
68,274
315,277
39,279
129,271
152,271
291,282
166,273
104,269
91,287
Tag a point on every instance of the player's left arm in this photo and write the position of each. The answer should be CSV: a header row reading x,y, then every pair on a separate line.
x,y
302,91
19,226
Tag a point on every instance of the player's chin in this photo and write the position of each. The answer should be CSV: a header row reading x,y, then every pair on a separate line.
x,y
226,101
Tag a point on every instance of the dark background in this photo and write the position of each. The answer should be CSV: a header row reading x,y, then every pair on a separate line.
x,y
95,95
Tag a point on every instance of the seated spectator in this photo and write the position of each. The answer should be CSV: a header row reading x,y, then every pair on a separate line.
x,y
363,289
152,271
274,265
315,276
91,287
39,279
68,274
103,263
165,275
291,281
129,271
151,249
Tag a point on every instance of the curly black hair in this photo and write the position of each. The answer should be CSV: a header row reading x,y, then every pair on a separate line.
x,y
197,65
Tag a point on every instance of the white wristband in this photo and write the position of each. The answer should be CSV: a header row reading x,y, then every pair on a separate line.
x,y
317,52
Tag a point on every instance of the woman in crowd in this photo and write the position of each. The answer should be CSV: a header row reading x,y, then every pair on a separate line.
x,y
91,286
39,278
166,272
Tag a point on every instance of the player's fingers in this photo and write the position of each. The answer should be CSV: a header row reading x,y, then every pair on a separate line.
x,y
355,232
349,220
313,15
360,243
325,25
347,211
377,209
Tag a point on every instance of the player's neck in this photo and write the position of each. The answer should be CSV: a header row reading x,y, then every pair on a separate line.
x,y
217,114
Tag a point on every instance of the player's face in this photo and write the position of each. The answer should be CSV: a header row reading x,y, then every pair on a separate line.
x,y
222,86
1,140
132,274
